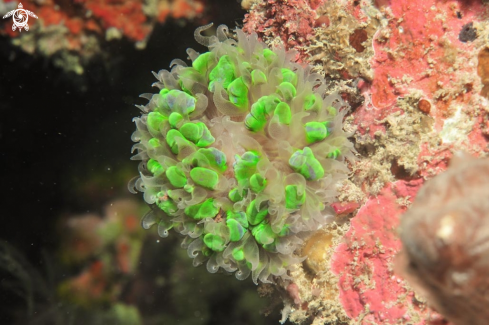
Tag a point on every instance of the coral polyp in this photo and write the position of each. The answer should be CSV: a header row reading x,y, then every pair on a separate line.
x,y
241,153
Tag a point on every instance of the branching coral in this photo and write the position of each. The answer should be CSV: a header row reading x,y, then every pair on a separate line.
x,y
240,153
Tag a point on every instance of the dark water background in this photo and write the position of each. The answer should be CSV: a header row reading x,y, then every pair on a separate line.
x,y
58,130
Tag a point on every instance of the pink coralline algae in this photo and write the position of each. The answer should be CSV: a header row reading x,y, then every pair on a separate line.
x,y
422,53
370,292
292,21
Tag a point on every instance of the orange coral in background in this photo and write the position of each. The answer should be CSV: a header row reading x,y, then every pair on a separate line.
x,y
76,31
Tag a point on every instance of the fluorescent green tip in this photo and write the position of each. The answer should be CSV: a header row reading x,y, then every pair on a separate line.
x,y
214,242
258,77
165,203
257,183
289,76
236,230
235,195
204,177
238,93
304,162
283,112
209,158
238,254
223,72
203,210
203,62
294,196
312,102
245,166
153,143
239,216
316,131
176,101
155,167
254,215
335,153
176,176
263,234
176,141
154,121
269,55
175,120
287,90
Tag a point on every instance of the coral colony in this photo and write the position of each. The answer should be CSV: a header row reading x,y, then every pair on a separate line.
x,y
241,152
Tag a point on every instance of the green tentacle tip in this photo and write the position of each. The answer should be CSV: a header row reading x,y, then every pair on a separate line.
x,y
176,176
332,111
263,107
155,167
316,131
204,177
287,89
283,112
235,195
304,162
254,214
257,183
154,143
176,141
312,102
269,55
223,72
295,196
245,166
198,133
208,157
246,66
154,121
335,153
289,76
214,242
239,216
176,101
203,62
263,234
238,93
165,203
238,254
284,231
206,209
258,77
255,122
236,230
175,120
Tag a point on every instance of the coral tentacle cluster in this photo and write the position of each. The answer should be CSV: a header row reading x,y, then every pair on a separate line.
x,y
241,152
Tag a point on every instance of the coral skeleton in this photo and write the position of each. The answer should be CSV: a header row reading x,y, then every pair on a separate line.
x,y
241,153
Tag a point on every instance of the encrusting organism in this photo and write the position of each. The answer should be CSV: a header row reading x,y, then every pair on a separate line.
x,y
241,152
445,236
